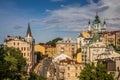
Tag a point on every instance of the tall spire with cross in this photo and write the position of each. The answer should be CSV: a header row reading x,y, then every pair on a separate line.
x,y
29,31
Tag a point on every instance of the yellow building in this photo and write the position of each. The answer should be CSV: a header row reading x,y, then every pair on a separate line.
x,y
49,50
39,48
25,45
45,50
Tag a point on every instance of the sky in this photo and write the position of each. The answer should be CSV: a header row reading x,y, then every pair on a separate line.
x,y
55,18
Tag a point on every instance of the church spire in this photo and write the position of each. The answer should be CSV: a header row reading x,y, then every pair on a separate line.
x,y
97,20
29,31
104,24
89,26
89,22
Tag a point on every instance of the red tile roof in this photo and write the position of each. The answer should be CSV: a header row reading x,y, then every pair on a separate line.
x,y
68,61
48,46
111,32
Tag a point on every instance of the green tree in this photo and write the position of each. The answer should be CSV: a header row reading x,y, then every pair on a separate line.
x,y
75,54
92,72
34,76
53,42
12,64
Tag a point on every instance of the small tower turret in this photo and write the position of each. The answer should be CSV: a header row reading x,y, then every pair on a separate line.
x,y
89,25
104,24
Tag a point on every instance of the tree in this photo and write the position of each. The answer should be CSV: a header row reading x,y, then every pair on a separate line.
x,y
39,56
34,76
92,72
75,54
53,42
12,64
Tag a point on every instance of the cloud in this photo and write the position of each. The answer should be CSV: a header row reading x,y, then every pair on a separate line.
x,y
18,27
75,18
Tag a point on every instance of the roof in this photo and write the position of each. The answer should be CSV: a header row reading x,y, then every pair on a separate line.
x,y
47,46
29,31
61,56
67,40
85,34
96,37
69,61
97,20
111,32
11,38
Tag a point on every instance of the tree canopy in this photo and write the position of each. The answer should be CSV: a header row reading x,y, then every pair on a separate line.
x,y
92,72
53,42
34,76
12,64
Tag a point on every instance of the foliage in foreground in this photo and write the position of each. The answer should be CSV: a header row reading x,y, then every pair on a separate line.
x,y
92,72
34,76
12,64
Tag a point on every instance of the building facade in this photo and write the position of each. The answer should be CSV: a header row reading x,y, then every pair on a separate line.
x,y
25,45
112,38
40,49
66,46
68,70
45,50
49,50
91,52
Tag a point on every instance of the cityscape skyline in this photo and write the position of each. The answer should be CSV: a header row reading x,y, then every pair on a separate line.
x,y
54,18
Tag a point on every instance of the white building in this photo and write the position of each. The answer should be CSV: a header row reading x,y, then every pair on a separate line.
x,y
25,45
59,57
91,52
97,25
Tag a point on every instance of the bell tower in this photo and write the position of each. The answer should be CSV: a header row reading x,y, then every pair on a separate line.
x,y
96,23
30,42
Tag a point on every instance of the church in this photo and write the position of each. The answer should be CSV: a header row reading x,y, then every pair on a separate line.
x,y
97,25
25,45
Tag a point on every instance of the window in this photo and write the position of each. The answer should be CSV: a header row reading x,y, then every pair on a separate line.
x,y
68,74
76,75
76,67
24,48
28,48
18,43
72,44
27,54
14,43
21,48
24,54
72,48
68,68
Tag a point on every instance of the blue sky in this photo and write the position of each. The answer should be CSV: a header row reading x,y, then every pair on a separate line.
x,y
54,18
